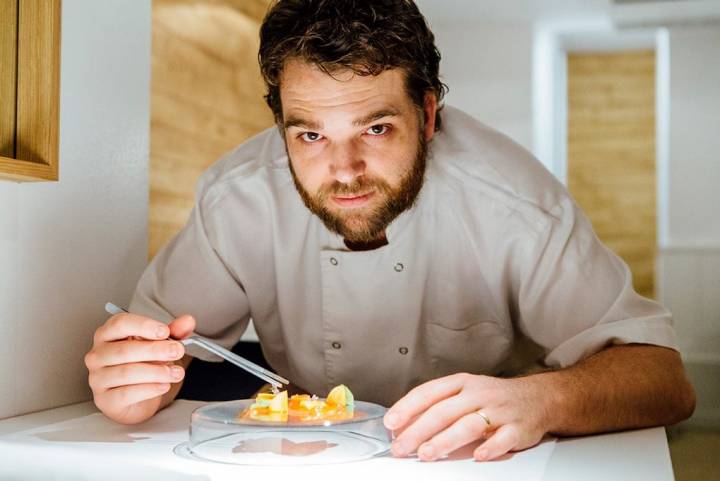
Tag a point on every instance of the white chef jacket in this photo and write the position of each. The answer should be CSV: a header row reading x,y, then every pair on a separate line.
x,y
493,251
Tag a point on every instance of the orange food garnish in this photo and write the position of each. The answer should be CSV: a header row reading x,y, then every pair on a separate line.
x,y
301,407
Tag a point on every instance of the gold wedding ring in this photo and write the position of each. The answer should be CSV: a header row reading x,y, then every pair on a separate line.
x,y
484,416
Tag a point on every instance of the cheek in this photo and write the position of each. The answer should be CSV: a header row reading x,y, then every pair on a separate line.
x,y
309,173
392,164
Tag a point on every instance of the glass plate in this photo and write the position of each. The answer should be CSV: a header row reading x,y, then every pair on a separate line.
x,y
217,435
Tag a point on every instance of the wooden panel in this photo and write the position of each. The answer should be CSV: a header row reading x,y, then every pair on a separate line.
x,y
207,97
38,93
253,9
8,76
611,153
38,82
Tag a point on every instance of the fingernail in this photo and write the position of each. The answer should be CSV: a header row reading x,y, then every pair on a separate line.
x,y
175,350
163,387
481,455
161,332
176,372
399,449
426,451
392,420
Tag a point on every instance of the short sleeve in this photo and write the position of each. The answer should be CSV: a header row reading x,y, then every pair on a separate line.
x,y
188,276
576,296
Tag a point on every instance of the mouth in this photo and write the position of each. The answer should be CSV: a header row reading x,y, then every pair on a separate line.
x,y
352,200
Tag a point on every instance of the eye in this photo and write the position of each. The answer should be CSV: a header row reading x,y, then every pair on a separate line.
x,y
311,137
377,130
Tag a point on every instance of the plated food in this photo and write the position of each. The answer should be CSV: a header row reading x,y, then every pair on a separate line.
x,y
338,406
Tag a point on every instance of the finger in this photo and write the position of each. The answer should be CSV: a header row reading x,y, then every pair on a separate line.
x,y
397,432
431,422
136,373
465,430
504,440
122,326
421,398
124,352
124,396
182,327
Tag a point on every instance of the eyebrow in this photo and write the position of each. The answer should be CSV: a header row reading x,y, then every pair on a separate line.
x,y
368,119
296,121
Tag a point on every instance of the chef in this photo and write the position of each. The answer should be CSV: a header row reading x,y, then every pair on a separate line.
x,y
381,240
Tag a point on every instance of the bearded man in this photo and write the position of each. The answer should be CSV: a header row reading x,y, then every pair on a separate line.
x,y
379,240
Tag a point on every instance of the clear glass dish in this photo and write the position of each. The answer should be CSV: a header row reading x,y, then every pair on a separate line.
x,y
218,435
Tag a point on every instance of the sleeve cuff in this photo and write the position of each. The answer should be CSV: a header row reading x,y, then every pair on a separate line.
x,y
652,330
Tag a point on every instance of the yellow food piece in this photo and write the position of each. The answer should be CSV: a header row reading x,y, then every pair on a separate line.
x,y
263,399
269,407
279,403
341,396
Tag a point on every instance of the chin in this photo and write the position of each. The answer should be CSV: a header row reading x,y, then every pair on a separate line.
x,y
355,230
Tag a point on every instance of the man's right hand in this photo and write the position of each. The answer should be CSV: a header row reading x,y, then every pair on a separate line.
x,y
132,365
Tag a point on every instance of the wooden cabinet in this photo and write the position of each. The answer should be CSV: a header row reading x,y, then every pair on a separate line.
x,y
29,89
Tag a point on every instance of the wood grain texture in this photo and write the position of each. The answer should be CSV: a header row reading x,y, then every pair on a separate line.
x,y
38,93
8,76
207,98
253,9
39,83
611,153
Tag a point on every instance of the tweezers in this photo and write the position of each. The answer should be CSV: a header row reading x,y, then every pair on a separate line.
x,y
276,381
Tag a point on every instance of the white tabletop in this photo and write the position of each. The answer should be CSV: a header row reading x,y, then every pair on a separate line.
x,y
630,455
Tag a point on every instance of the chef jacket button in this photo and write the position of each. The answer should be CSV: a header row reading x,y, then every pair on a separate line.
x,y
399,267
336,345
403,350
333,261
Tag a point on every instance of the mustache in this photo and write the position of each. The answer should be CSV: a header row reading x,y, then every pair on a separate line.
x,y
358,186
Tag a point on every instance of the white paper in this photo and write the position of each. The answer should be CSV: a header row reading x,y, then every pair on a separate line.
x,y
93,447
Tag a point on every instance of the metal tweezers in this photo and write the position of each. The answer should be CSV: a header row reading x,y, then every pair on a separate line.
x,y
276,381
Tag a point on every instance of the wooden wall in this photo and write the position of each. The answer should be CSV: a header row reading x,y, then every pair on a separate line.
x,y
611,153
207,97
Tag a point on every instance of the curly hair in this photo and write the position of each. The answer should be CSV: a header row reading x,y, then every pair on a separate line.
x,y
364,36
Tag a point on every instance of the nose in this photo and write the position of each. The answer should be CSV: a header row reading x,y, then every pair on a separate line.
x,y
346,164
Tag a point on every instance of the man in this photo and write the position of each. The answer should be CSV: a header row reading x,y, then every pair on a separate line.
x,y
379,242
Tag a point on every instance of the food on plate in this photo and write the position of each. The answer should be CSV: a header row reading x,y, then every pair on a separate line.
x,y
339,405
341,396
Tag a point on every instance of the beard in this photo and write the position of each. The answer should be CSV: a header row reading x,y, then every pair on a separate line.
x,y
366,224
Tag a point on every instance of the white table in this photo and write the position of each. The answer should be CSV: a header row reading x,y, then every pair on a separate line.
x,y
631,455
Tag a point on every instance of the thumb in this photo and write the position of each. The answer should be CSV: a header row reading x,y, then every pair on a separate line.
x,y
182,327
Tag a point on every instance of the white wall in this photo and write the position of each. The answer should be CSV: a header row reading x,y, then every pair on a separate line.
x,y
67,247
694,139
689,265
489,71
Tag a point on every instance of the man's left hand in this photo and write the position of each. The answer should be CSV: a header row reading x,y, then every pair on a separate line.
x,y
442,415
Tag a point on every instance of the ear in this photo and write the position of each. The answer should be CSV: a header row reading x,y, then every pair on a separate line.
x,y
429,110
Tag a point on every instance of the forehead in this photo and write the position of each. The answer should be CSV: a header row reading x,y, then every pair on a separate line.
x,y
305,88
